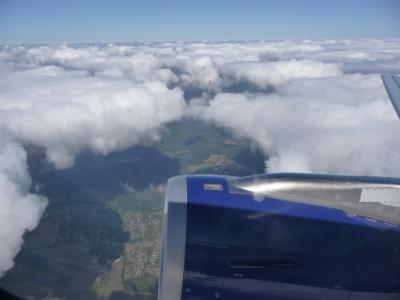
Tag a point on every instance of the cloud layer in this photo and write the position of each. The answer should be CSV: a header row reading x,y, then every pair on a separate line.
x,y
312,106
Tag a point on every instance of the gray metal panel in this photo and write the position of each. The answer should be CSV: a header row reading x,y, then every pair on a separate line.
x,y
373,197
397,80
392,85
173,240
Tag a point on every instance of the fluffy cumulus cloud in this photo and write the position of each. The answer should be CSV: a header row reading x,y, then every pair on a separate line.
x,y
19,209
67,112
312,106
340,125
264,74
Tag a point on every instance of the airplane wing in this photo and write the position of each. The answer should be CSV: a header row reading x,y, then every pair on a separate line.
x,y
392,85
281,236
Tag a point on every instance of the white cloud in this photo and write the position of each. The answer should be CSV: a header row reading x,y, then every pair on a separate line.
x,y
340,125
67,112
264,74
19,209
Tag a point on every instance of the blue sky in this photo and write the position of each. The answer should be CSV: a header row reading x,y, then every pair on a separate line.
x,y
122,20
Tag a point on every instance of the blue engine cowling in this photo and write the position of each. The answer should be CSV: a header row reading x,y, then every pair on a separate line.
x,y
223,240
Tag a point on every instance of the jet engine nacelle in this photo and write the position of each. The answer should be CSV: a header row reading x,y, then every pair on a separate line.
x,y
281,236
